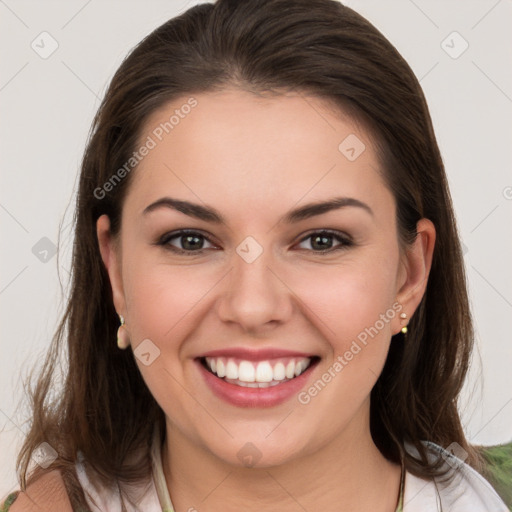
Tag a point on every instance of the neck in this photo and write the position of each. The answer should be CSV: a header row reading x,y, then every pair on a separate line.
x,y
349,471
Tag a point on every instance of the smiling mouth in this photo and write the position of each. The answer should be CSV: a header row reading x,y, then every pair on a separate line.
x,y
258,374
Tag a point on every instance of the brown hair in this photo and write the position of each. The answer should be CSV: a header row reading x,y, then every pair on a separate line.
x,y
318,47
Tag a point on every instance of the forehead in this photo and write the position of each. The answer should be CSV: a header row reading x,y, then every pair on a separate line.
x,y
233,143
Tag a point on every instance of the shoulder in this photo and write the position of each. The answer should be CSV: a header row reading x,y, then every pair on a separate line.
x,y
47,493
465,490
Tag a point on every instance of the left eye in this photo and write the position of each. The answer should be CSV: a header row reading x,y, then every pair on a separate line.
x,y
322,241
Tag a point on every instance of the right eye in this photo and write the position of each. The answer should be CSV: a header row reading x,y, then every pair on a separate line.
x,y
189,242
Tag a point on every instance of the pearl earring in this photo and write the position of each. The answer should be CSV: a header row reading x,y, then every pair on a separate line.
x,y
122,335
403,316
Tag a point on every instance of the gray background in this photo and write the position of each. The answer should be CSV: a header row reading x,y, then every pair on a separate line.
x,y
47,106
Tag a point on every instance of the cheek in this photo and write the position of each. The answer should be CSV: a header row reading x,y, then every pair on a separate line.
x,y
353,308
163,305
350,300
161,298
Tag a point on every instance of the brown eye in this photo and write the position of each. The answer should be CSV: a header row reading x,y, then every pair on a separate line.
x,y
191,242
185,241
325,241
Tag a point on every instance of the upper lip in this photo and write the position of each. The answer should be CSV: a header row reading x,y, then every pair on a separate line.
x,y
255,354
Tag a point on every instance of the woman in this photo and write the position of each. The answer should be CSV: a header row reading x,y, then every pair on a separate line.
x,y
263,217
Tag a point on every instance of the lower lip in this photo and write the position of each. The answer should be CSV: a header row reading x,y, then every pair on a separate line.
x,y
254,397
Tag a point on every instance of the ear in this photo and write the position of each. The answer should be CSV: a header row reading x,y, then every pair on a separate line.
x,y
416,265
111,256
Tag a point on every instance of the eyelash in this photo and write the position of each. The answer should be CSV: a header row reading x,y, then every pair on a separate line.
x,y
346,242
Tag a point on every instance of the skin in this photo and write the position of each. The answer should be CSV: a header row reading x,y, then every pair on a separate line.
x,y
253,159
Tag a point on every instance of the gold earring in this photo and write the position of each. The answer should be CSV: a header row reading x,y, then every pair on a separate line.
x,y
403,316
122,335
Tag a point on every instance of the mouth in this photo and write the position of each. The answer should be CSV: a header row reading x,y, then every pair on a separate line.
x,y
257,374
250,379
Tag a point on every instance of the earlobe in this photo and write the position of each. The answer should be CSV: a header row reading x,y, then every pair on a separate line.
x,y
111,259
417,264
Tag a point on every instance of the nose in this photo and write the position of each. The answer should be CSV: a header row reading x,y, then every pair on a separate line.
x,y
254,295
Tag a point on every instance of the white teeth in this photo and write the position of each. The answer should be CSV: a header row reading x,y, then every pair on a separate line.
x,y
253,384
221,369
279,371
246,372
261,374
231,370
264,372
298,368
290,370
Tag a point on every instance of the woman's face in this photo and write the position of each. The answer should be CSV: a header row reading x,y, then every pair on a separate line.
x,y
269,283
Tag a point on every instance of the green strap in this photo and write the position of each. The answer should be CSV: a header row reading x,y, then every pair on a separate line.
x,y
400,505
498,470
6,505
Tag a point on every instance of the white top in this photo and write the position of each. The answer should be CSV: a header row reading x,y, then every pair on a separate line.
x,y
468,491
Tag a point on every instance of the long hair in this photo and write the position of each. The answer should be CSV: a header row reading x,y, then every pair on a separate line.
x,y
318,47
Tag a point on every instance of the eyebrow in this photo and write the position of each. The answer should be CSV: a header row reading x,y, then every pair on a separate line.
x,y
210,214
